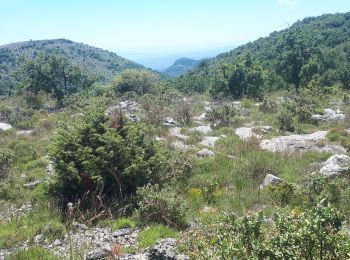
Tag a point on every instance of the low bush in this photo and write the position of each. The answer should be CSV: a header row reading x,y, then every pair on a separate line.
x,y
224,115
33,253
6,161
313,234
160,206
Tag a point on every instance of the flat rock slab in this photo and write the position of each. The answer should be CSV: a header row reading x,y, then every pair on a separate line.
x,y
203,129
210,141
176,132
294,143
330,115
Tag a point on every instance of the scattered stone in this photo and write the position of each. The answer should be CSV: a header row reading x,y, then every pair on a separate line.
x,y
165,249
176,132
32,185
169,122
335,165
200,118
5,127
205,153
180,145
203,129
270,179
246,133
333,149
209,141
265,129
122,232
129,108
330,115
24,132
77,115
158,138
207,109
97,254
294,143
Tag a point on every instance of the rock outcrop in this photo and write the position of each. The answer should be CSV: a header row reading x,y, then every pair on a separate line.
x,y
335,165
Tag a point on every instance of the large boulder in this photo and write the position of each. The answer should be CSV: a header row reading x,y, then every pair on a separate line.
x,y
335,165
5,127
246,133
270,179
129,108
330,115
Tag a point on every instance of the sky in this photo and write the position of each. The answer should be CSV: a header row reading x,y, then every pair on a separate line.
x,y
149,30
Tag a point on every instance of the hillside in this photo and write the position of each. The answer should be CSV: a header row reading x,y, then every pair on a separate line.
x,y
102,63
180,66
314,47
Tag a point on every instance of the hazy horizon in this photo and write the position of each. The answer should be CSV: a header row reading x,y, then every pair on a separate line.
x,y
155,33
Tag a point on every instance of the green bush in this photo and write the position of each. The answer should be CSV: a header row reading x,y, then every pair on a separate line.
x,y
268,106
160,206
224,115
313,234
94,155
6,161
285,120
183,112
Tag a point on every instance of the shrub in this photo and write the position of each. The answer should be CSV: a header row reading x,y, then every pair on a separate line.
x,y
183,112
285,120
97,156
268,106
224,115
160,206
6,161
314,234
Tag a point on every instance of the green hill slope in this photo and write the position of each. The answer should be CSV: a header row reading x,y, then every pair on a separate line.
x,y
104,64
316,48
180,66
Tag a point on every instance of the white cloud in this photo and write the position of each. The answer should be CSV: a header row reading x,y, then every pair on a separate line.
x,y
287,3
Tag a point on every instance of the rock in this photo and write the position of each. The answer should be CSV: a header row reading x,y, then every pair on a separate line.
x,y
270,180
97,254
5,127
203,129
176,132
333,149
134,257
164,250
209,141
169,122
335,165
49,168
237,104
200,118
32,185
24,132
330,115
129,108
265,129
180,145
205,153
77,115
294,143
158,138
122,232
207,109
246,133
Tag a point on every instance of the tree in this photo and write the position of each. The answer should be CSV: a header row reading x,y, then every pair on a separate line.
x,y
95,155
52,74
140,81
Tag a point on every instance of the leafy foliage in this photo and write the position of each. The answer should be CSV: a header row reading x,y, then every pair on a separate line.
x,y
290,235
52,74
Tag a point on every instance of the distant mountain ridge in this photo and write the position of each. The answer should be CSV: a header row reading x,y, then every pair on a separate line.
x,y
180,66
102,63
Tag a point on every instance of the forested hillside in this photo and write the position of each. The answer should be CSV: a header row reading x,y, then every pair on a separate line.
x,y
181,66
104,64
316,48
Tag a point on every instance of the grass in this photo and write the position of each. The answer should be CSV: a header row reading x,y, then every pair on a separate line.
x,y
149,236
118,223
37,253
40,220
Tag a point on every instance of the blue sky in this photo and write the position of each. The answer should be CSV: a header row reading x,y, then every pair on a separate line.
x,y
150,28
